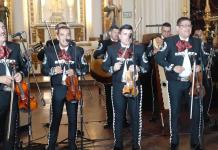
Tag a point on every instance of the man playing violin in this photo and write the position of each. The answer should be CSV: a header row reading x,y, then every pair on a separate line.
x,y
121,60
67,61
9,51
177,57
100,53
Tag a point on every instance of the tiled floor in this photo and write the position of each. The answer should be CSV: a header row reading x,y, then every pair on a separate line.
x,y
95,136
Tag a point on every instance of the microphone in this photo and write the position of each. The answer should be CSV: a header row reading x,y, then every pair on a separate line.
x,y
71,42
130,36
154,25
17,34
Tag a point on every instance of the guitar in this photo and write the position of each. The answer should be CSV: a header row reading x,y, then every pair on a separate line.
x,y
98,73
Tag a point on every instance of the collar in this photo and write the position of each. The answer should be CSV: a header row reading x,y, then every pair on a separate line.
x,y
113,40
66,48
4,44
187,39
122,45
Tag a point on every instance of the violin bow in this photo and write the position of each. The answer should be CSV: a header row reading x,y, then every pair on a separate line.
x,y
11,107
193,85
49,33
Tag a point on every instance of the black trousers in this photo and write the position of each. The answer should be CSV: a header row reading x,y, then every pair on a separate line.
x,y
12,143
58,101
177,90
109,109
120,103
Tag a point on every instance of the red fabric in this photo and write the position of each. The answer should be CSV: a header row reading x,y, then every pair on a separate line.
x,y
64,55
4,52
183,45
128,53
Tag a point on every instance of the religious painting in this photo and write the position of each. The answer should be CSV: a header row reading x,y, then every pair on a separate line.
x,y
59,10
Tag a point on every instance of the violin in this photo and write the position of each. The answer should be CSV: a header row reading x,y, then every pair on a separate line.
x,y
130,89
198,88
21,89
73,90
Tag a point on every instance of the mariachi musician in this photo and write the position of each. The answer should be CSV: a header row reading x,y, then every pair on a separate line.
x,y
179,55
119,61
65,63
100,53
9,52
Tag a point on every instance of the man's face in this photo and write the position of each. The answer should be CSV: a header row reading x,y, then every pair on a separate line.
x,y
2,3
199,34
3,34
165,31
124,36
114,34
63,36
184,29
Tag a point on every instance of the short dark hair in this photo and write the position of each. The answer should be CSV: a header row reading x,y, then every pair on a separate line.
x,y
126,26
113,27
60,24
63,27
182,19
166,24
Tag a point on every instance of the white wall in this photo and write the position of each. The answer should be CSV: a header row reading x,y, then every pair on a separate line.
x,y
96,18
152,12
20,18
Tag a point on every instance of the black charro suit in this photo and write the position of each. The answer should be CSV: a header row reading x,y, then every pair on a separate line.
x,y
168,57
59,93
100,52
5,97
119,101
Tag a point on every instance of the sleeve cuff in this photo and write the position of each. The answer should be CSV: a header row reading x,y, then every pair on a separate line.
x,y
52,71
170,68
22,74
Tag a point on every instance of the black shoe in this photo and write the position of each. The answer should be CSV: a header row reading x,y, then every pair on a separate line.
x,y
116,148
174,147
126,124
196,147
135,148
108,126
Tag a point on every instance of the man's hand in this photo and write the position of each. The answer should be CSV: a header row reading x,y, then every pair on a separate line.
x,y
117,66
131,68
178,69
70,72
6,80
198,68
18,77
58,70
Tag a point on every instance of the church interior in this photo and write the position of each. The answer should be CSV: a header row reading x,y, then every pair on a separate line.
x,y
32,22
